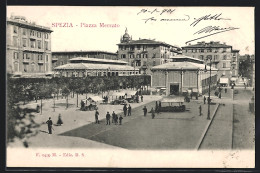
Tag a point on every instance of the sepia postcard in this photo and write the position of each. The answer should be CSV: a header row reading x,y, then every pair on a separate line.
x,y
130,86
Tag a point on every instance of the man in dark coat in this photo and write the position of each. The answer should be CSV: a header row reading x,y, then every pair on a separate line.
x,y
204,99
113,117
49,122
129,110
200,110
108,118
153,113
116,120
125,110
96,117
142,98
120,120
145,110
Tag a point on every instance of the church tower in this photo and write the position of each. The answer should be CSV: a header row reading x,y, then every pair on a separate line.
x,y
126,37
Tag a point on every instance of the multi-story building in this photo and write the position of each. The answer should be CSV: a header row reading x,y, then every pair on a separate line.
x,y
63,57
223,57
28,47
143,54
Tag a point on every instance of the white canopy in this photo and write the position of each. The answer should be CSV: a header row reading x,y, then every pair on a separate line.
x,y
117,93
130,93
96,98
173,99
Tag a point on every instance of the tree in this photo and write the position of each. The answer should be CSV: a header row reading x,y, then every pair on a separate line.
x,y
66,92
79,87
20,124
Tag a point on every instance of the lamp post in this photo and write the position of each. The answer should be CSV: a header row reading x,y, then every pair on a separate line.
x,y
209,58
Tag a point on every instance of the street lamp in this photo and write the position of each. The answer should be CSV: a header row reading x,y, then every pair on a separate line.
x,y
209,58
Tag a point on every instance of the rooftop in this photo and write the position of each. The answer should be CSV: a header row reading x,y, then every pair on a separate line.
x,y
83,59
184,57
211,44
146,41
182,66
89,66
21,21
83,51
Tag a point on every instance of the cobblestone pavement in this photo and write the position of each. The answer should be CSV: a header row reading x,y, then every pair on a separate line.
x,y
244,121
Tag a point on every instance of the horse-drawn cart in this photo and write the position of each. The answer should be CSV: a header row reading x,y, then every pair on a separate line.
x,y
90,104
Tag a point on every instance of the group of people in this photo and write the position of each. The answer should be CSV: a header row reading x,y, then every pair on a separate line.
x,y
127,111
115,118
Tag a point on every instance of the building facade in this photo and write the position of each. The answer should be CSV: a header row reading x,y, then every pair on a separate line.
x,y
63,57
182,74
28,47
143,54
83,67
223,57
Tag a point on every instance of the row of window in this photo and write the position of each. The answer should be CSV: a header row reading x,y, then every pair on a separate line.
x,y
213,58
32,32
204,50
142,56
31,67
138,47
32,43
31,56
138,63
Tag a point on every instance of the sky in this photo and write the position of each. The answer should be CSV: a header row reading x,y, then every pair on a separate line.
x,y
173,25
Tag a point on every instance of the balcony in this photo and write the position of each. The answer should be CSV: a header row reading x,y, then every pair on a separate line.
x,y
54,59
40,61
26,60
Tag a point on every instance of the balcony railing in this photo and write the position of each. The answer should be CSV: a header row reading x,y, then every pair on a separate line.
x,y
40,61
54,59
26,60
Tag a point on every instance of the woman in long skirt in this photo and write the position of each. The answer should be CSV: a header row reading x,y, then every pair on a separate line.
x,y
59,122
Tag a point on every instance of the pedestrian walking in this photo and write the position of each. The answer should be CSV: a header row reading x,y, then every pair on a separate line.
x,y
38,108
160,105
113,117
116,119
204,99
96,117
120,120
129,110
49,123
200,110
145,110
125,110
156,106
59,122
108,118
153,113
225,90
219,96
142,98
